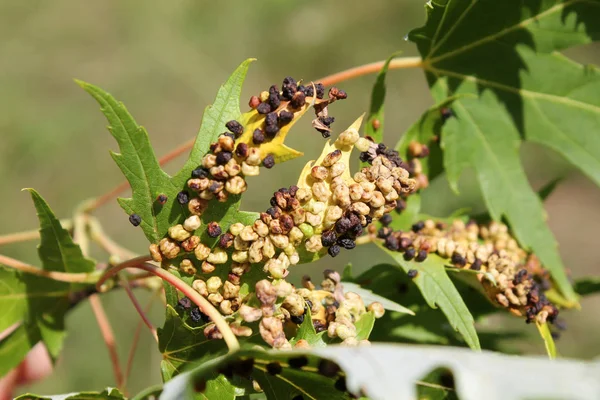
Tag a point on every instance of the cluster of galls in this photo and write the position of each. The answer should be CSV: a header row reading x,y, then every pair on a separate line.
x,y
328,209
335,311
279,304
279,107
340,205
515,283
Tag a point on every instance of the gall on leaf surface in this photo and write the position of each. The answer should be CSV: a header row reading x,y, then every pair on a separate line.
x,y
510,64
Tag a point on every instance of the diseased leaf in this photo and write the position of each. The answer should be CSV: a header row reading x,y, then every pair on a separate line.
x,y
252,120
106,394
438,290
510,64
384,371
34,305
369,297
374,126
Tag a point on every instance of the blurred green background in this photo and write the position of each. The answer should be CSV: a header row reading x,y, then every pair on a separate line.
x,y
166,60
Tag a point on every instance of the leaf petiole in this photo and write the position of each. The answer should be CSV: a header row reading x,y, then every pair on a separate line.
x,y
205,306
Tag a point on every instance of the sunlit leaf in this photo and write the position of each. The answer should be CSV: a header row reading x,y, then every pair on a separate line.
x,y
369,297
439,291
36,306
546,335
141,168
374,125
521,88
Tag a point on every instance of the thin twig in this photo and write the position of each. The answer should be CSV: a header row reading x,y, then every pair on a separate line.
x,y
138,308
29,235
136,339
110,246
205,306
398,63
73,277
108,336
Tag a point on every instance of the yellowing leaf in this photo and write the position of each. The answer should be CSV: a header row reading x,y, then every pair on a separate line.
x,y
252,120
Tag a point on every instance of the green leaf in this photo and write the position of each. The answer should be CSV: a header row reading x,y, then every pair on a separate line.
x,y
57,251
369,297
181,344
428,325
546,335
437,385
384,371
15,346
107,394
549,188
307,332
495,158
427,130
13,300
590,285
364,326
225,108
34,305
524,89
438,290
141,168
409,215
374,126
139,164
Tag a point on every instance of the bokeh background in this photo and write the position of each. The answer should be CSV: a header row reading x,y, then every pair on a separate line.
x,y
165,60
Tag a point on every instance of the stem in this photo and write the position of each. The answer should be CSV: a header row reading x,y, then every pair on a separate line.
x,y
205,306
139,310
80,277
136,338
109,245
108,336
29,235
398,63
